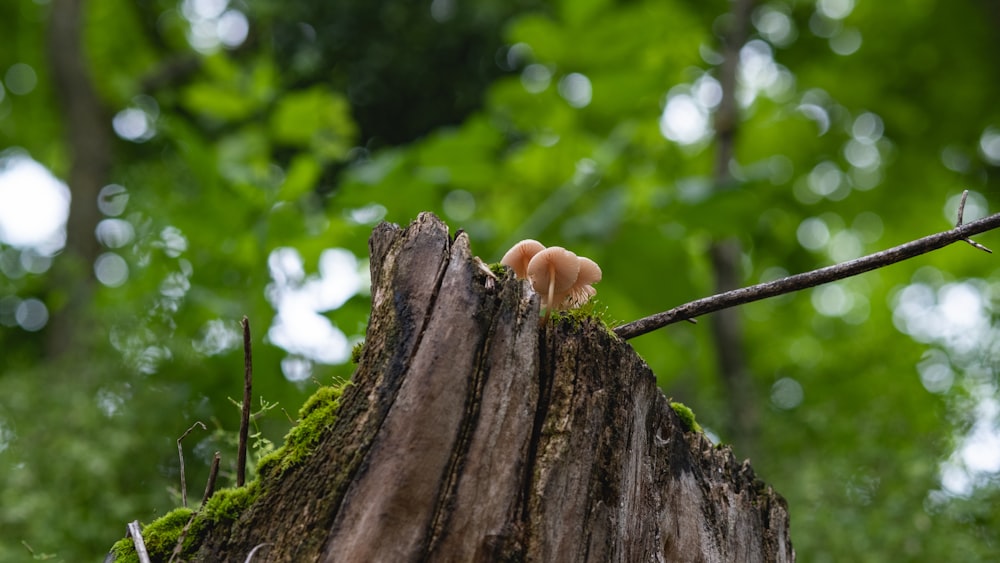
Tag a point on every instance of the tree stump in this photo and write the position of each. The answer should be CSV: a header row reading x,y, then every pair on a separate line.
x,y
470,433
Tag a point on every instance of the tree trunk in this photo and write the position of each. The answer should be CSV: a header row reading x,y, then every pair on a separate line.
x,y
469,433
89,147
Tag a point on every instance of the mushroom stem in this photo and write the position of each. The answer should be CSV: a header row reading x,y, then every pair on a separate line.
x,y
552,291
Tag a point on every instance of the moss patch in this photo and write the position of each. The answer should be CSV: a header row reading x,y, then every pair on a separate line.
x,y
592,310
356,351
317,414
499,270
162,534
687,417
160,537
228,504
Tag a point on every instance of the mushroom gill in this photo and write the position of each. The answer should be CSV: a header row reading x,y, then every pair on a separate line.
x,y
583,290
553,272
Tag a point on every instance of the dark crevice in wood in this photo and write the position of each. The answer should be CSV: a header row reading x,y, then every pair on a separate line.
x,y
470,418
546,364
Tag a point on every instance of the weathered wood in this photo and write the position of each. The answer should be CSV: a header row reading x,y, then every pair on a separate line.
x,y
470,434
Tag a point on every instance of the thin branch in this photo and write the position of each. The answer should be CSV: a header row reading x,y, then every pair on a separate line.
x,y
213,473
140,546
808,279
977,245
209,489
179,546
961,208
961,213
241,460
180,454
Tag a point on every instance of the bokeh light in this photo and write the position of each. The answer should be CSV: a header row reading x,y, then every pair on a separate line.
x,y
813,233
459,205
115,233
684,121
787,393
212,25
20,79
299,327
576,89
218,336
536,78
112,200
835,9
34,205
32,315
111,269
774,23
989,146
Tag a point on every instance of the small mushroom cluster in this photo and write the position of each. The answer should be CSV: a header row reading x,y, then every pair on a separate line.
x,y
563,279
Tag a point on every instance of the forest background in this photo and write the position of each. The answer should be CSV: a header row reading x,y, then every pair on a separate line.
x,y
231,157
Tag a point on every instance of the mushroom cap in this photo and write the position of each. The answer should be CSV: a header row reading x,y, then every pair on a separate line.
x,y
554,268
590,272
520,254
582,291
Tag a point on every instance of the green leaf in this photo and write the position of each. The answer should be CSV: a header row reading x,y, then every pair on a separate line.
x,y
300,177
315,119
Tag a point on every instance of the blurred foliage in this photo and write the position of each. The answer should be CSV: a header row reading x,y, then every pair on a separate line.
x,y
584,124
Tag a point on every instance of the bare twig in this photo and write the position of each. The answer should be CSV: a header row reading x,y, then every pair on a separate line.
x,y
180,454
179,546
808,279
241,460
961,213
213,473
961,208
140,546
977,245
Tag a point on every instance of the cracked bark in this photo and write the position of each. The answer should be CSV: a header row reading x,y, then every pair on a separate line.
x,y
471,434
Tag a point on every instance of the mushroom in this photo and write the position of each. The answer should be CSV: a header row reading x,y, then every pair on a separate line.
x,y
519,256
582,290
553,272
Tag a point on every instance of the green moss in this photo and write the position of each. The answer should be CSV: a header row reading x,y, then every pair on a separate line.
x,y
499,270
687,417
317,414
123,551
323,397
160,537
356,351
590,310
228,504
162,534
